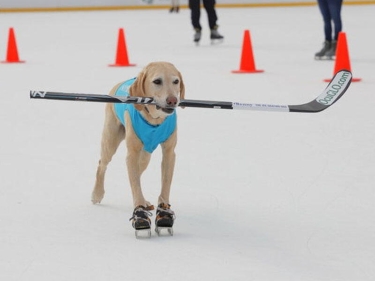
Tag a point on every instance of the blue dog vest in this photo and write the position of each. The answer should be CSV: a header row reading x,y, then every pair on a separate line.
x,y
150,135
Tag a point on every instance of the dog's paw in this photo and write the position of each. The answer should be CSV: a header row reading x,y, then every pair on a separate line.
x,y
149,206
96,198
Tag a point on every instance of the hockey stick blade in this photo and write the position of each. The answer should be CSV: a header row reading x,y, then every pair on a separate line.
x,y
334,90
332,93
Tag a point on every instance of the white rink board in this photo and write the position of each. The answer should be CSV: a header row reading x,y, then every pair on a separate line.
x,y
122,3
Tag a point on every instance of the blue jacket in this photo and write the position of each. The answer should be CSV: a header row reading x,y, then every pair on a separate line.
x,y
150,135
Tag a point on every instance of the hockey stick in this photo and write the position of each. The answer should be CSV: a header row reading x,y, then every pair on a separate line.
x,y
335,90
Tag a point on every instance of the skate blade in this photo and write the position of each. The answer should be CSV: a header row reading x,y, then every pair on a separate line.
x,y
217,41
143,233
161,229
324,58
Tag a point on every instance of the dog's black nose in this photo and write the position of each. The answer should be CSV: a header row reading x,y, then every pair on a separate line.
x,y
171,101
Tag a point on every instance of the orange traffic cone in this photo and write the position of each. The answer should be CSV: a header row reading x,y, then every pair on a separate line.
x,y
342,57
12,53
121,54
247,59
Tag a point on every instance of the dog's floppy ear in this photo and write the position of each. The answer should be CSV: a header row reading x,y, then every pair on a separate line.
x,y
137,88
182,88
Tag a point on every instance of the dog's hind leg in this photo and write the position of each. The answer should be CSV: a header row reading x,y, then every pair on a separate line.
x,y
113,134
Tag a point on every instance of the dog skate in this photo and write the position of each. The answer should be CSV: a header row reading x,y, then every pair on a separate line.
x,y
141,222
164,219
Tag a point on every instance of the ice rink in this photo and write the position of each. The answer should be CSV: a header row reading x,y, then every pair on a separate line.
x,y
258,195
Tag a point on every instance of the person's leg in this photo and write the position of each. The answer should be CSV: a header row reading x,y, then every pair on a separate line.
x,y
334,7
325,11
209,6
335,12
194,6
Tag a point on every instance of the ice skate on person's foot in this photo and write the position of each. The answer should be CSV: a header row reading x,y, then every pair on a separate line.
x,y
216,36
164,219
174,9
331,53
321,55
197,35
141,221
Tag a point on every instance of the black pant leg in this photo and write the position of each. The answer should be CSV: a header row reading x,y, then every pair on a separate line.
x,y
335,12
209,5
194,6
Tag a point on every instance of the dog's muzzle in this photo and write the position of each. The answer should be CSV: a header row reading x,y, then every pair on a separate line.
x,y
168,110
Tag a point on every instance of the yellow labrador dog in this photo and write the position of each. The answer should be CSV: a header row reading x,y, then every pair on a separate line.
x,y
144,127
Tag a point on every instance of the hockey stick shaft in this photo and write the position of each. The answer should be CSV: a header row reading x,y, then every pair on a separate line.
x,y
335,89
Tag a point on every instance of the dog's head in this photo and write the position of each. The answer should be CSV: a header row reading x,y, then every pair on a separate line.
x,y
163,82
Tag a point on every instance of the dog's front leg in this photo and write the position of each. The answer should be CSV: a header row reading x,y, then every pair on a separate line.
x,y
164,215
136,161
167,167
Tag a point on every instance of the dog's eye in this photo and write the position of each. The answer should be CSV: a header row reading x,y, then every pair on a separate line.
x,y
176,81
157,81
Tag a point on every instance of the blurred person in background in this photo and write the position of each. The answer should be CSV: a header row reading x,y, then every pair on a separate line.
x,y
175,6
209,6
